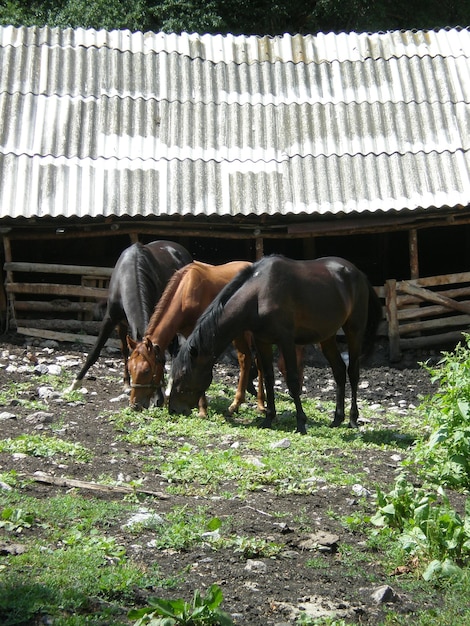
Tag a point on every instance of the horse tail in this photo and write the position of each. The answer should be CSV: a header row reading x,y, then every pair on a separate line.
x,y
99,309
374,316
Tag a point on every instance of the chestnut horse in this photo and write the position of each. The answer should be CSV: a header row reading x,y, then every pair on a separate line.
x,y
137,282
283,302
188,294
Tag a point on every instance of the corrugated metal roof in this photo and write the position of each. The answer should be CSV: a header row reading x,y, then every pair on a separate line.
x,y
117,123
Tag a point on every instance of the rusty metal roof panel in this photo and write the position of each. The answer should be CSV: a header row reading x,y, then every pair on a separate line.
x,y
117,123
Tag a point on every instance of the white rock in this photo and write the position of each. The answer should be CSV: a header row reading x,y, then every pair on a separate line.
x,y
5,415
252,565
282,443
359,490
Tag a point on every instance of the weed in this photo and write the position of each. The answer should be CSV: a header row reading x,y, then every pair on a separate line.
x,y
203,610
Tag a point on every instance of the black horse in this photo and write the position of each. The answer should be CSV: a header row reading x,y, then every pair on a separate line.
x,y
283,302
137,283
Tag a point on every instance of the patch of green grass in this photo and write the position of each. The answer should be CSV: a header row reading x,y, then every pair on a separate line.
x,y
21,394
217,454
74,561
45,446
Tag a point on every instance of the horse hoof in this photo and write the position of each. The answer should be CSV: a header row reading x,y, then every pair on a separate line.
x,y
73,387
265,424
336,423
301,431
353,425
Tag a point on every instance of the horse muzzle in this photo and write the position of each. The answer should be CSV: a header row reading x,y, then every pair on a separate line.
x,y
177,407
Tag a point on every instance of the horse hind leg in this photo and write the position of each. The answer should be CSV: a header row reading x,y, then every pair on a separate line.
x,y
338,366
122,332
353,375
106,329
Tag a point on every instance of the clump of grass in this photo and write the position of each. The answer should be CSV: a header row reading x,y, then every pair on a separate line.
x,y
45,446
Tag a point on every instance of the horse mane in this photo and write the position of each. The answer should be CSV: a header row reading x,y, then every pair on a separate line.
x,y
147,277
166,297
203,336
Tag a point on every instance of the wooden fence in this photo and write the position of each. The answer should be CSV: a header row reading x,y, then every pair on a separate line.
x,y
54,301
427,312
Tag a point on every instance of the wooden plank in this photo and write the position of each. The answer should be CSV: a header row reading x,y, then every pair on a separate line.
x,y
429,311
60,481
443,279
407,299
55,306
432,340
43,333
54,268
427,295
87,327
435,324
57,290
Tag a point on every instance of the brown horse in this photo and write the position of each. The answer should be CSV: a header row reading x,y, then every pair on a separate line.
x,y
283,302
187,295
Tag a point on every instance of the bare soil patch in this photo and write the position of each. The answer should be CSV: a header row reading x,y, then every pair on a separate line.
x,y
257,591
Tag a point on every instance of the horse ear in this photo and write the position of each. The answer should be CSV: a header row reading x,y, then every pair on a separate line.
x,y
157,350
193,351
148,343
131,344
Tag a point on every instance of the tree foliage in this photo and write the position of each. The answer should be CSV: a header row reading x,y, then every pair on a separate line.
x,y
262,17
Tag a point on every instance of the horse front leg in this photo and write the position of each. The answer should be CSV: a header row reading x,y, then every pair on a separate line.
x,y
333,356
202,404
265,357
293,381
244,363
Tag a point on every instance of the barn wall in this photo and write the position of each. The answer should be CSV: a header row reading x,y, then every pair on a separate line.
x,y
383,256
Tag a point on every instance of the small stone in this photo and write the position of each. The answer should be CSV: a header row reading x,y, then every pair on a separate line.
x,y
282,443
5,415
40,417
359,490
252,565
384,594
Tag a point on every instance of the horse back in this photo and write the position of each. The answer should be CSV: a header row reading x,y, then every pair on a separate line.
x,y
200,284
313,298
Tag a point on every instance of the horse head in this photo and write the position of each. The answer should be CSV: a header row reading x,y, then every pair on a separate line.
x,y
191,375
145,366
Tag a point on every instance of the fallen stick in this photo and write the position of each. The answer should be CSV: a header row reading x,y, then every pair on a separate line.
x,y
41,477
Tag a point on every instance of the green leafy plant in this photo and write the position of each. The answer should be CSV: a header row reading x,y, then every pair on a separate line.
x,y
45,446
202,610
428,524
423,519
15,520
445,456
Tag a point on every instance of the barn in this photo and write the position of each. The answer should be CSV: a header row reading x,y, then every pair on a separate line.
x,y
352,144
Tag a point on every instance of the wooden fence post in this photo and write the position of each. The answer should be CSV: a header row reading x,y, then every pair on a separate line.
x,y
392,317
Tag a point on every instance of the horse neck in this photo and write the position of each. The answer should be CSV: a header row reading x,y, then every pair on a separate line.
x,y
167,319
165,329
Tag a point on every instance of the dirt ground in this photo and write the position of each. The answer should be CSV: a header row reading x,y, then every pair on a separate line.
x,y
268,592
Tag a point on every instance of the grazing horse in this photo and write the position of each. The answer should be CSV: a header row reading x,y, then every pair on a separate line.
x,y
137,283
187,295
283,302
